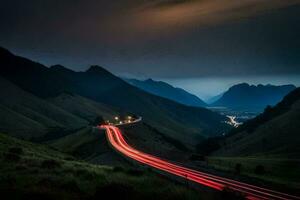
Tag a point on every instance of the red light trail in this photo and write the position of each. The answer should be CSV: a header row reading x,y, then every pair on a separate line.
x,y
118,142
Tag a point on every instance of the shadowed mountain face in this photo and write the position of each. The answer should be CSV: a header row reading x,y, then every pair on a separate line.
x,y
253,98
165,90
274,132
178,121
26,116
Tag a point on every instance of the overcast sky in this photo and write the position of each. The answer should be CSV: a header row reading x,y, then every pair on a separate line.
x,y
161,39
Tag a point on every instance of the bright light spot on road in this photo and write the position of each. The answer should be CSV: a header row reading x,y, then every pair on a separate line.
x,y
116,118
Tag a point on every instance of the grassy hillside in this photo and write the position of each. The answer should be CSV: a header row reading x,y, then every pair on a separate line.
x,y
149,139
27,116
83,107
267,147
30,171
89,144
188,124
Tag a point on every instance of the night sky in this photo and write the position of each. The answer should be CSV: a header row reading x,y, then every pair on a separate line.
x,y
161,39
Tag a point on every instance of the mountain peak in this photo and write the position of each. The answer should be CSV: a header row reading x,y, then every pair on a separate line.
x,y
60,68
241,85
149,80
97,70
5,52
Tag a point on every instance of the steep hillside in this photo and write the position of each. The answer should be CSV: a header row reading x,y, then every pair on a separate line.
x,y
27,116
83,107
253,98
185,123
266,147
165,90
31,171
274,132
89,144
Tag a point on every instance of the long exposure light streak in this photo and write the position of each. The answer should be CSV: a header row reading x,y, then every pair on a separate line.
x,y
117,141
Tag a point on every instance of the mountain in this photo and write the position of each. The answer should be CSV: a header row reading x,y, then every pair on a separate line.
x,y
252,97
25,115
275,131
165,90
177,121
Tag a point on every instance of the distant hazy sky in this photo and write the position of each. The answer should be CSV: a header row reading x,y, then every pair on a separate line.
x,y
161,39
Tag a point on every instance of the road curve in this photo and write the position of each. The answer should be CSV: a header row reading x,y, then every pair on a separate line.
x,y
117,141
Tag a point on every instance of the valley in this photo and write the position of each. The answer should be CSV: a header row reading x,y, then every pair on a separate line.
x,y
210,144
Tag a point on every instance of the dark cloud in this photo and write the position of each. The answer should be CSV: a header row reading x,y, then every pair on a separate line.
x,y
189,38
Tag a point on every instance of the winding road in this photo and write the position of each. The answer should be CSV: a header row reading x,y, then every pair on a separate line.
x,y
117,141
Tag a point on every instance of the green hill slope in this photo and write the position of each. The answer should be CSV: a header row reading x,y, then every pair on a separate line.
x,y
27,116
83,107
90,145
31,171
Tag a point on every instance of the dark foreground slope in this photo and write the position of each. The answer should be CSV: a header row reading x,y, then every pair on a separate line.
x,y
177,121
27,116
253,98
267,146
30,171
165,90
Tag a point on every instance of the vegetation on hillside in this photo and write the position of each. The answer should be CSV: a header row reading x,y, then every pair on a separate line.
x,y
31,171
266,147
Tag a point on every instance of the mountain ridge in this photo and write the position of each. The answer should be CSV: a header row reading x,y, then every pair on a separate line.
x,y
253,97
97,84
168,91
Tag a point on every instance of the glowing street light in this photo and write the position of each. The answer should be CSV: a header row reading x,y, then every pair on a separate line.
x,y
116,118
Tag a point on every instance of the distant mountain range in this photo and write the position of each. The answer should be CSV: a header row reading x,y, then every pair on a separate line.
x,y
252,97
166,90
238,97
59,97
